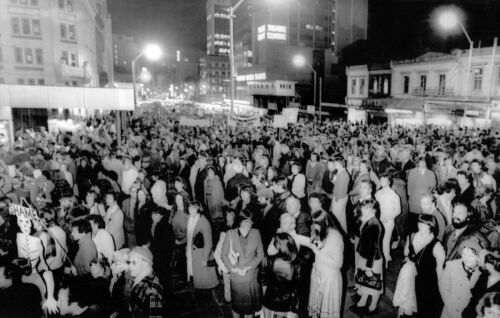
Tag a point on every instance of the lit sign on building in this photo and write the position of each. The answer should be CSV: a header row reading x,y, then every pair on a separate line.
x,y
251,77
271,32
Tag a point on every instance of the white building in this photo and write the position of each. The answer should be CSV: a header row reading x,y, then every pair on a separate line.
x,y
55,42
436,88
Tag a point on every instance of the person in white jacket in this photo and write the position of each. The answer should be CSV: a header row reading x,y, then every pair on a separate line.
x,y
390,208
102,239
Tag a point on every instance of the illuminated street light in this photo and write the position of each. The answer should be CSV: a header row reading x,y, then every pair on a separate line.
x,y
299,61
152,52
449,20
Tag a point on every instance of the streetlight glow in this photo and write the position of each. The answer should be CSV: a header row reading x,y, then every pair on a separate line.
x,y
299,60
448,20
153,52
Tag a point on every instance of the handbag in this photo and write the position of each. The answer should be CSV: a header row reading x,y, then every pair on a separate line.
x,y
373,282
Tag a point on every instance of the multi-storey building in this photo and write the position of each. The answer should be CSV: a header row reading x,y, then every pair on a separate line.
x,y
268,34
218,27
125,49
55,42
435,88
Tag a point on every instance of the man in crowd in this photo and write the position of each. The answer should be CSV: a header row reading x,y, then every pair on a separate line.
x,y
81,233
420,182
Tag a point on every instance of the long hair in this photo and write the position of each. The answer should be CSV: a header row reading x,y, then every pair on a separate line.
x,y
287,251
325,222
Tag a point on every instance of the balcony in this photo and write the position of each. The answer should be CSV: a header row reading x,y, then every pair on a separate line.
x,y
440,92
67,71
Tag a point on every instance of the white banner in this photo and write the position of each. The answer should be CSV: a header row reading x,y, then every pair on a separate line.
x,y
19,210
291,115
280,121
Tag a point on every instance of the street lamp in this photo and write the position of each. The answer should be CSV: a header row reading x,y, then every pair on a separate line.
x,y
300,61
449,20
153,53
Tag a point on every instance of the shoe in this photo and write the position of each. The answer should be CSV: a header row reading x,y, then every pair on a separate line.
x,y
371,313
357,310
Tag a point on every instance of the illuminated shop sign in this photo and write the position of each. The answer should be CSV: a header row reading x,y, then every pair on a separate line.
x,y
271,32
251,77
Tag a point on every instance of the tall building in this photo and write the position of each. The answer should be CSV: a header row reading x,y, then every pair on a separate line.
x,y
49,42
269,34
218,27
125,49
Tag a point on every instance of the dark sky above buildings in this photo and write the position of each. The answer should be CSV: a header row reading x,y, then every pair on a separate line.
x,y
173,23
397,28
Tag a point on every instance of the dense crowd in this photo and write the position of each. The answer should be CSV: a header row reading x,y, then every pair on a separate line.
x,y
288,222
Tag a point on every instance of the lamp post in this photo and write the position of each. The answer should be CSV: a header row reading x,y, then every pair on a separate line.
x,y
449,20
300,61
153,52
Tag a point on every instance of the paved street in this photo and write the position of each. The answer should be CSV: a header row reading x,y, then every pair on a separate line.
x,y
186,305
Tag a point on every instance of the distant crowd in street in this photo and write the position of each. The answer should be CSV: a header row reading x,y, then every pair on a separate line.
x,y
289,222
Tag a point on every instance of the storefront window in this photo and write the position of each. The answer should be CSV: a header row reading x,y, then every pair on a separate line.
x,y
478,79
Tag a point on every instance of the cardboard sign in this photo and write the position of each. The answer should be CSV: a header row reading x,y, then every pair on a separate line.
x,y
280,121
291,115
19,210
186,121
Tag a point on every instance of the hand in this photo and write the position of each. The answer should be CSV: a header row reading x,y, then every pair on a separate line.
x,y
369,272
51,305
74,272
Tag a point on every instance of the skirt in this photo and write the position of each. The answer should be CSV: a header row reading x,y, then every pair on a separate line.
x,y
377,268
246,297
325,295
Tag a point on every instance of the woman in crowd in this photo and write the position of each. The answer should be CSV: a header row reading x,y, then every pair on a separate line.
x,y
179,224
425,250
229,225
281,271
325,295
445,195
142,212
93,205
199,256
121,283
242,253
214,195
370,256
314,173
247,200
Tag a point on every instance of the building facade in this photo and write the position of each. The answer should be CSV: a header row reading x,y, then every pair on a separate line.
x,y
268,34
435,88
55,42
218,27
125,49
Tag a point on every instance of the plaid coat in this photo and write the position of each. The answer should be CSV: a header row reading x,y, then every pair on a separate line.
x,y
146,299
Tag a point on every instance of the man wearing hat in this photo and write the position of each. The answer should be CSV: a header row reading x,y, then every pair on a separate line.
x,y
146,297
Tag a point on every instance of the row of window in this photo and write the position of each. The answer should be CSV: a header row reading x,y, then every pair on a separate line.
x,y
354,85
66,5
33,3
269,85
28,56
26,26
30,81
31,27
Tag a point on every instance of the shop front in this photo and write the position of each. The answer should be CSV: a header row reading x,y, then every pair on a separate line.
x,y
407,112
459,113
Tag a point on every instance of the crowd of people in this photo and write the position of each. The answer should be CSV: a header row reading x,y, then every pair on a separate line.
x,y
288,222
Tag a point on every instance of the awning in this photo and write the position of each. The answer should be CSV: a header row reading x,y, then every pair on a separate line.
x,y
25,96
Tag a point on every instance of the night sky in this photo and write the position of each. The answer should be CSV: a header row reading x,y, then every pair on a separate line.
x,y
172,23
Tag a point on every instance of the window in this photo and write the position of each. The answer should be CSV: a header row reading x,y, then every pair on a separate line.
x,y
361,86
69,5
478,78
25,22
74,83
65,57
28,56
62,27
72,60
41,81
19,55
406,84
16,27
20,81
442,84
35,23
31,81
71,32
353,86
423,82
62,4
39,56
34,3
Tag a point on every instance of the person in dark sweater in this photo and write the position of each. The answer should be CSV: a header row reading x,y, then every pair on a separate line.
x,y
12,289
